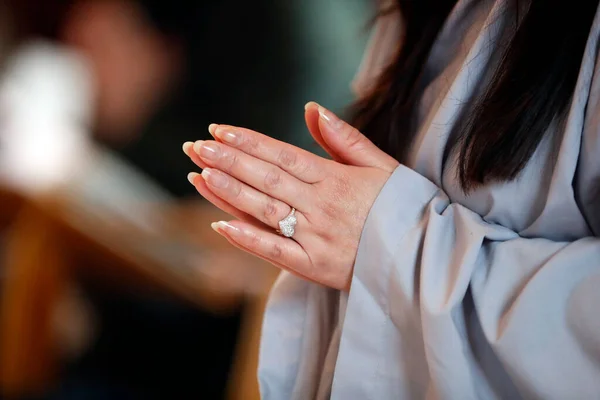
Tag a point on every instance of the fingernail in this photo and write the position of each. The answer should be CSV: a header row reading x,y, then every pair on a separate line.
x,y
233,138
215,178
223,226
208,150
330,118
192,177
197,146
212,128
309,104
187,146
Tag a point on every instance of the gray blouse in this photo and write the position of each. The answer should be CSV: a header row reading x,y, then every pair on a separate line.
x,y
494,295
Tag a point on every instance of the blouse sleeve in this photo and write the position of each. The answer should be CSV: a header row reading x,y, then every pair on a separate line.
x,y
448,296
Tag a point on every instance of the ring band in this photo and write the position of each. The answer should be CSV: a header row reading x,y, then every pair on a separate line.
x,y
288,224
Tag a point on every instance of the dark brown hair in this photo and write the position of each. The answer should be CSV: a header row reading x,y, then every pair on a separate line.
x,y
503,125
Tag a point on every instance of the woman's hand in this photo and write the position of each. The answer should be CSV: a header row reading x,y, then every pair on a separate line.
x,y
259,179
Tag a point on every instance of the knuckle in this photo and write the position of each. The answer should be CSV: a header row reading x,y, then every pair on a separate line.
x,y
231,160
275,251
287,158
291,161
272,180
353,137
236,190
270,210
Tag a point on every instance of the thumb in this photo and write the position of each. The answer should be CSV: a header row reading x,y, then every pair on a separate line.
x,y
311,116
350,145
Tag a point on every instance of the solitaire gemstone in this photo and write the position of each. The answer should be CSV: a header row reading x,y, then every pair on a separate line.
x,y
287,225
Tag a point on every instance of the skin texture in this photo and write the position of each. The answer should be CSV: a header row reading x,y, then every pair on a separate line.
x,y
258,179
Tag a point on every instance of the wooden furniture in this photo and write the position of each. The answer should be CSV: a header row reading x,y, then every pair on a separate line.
x,y
10,203
172,250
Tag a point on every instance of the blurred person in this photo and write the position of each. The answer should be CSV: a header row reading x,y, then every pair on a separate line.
x,y
77,67
449,249
79,74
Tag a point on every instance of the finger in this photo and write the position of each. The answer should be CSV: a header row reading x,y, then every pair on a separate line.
x,y
188,149
215,227
281,251
198,182
350,144
311,116
249,200
259,174
200,185
297,162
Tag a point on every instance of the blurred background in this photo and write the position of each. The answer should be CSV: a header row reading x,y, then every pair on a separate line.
x,y
112,285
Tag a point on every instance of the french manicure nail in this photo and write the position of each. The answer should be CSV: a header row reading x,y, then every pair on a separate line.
x,y
197,146
310,103
212,128
187,146
225,227
330,118
215,178
192,177
209,151
233,138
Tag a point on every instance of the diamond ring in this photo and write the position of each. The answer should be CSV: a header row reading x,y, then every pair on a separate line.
x,y
288,224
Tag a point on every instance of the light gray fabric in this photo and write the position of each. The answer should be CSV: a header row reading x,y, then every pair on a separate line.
x,y
494,295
